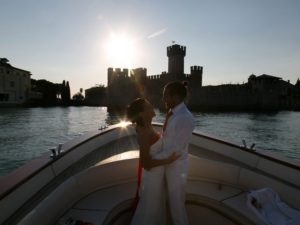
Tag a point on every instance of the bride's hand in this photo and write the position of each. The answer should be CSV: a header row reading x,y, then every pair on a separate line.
x,y
174,157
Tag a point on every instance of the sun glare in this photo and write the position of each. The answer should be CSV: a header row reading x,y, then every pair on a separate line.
x,y
123,123
121,50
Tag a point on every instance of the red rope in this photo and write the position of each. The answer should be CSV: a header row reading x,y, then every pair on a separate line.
x,y
139,179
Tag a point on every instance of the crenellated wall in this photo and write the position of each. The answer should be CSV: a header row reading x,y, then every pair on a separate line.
x,y
262,92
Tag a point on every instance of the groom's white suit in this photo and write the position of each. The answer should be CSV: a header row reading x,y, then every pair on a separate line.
x,y
176,138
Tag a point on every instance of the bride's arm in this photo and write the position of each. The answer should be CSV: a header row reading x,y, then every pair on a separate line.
x,y
147,161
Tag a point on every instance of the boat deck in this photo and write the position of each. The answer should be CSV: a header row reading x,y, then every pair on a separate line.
x,y
206,203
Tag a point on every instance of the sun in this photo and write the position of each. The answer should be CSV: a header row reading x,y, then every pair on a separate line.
x,y
121,50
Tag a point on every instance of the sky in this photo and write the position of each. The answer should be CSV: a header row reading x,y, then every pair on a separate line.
x,y
78,40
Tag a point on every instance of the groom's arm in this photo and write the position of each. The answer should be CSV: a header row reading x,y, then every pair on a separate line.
x,y
179,138
147,161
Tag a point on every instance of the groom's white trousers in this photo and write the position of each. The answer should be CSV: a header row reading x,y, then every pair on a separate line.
x,y
176,178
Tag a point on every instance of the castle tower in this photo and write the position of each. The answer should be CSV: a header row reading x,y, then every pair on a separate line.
x,y
139,75
114,74
110,72
139,78
176,54
196,74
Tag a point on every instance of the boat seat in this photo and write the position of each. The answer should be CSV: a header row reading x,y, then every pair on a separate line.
x,y
98,177
95,207
93,194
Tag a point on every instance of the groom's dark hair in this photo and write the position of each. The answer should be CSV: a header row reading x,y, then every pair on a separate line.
x,y
177,88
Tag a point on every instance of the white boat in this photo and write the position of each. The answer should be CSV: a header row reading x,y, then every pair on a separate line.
x,y
94,180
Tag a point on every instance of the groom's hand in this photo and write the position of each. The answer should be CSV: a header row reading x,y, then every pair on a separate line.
x,y
174,156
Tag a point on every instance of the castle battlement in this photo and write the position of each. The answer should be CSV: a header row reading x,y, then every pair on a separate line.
x,y
140,69
176,50
118,71
186,76
140,72
154,77
196,68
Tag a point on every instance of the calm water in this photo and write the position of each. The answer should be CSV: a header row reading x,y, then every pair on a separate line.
x,y
26,133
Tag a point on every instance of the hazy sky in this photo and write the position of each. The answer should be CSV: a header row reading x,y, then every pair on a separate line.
x,y
75,40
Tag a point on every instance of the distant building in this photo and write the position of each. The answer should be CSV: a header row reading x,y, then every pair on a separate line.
x,y
264,92
296,96
14,84
272,91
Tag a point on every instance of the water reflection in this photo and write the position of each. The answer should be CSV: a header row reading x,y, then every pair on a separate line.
x,y
276,132
28,132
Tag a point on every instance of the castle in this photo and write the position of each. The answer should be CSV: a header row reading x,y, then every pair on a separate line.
x,y
264,92
123,88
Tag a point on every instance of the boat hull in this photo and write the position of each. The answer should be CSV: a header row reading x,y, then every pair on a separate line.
x,y
103,162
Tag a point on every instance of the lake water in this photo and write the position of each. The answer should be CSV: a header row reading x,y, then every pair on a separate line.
x,y
26,133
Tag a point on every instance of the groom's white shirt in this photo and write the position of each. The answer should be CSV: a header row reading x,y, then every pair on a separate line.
x,y
178,132
176,138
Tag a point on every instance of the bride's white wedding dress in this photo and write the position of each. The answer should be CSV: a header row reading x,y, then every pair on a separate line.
x,y
151,208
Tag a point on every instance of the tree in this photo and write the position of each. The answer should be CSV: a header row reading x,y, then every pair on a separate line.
x,y
78,98
65,93
48,90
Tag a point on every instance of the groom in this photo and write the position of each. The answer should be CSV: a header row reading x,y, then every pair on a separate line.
x,y
177,132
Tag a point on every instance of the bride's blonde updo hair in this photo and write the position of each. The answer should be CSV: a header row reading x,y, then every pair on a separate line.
x,y
133,110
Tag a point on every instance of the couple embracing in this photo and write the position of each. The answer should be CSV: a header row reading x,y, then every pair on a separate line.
x,y
164,158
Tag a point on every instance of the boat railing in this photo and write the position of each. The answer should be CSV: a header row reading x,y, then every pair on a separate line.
x,y
251,148
27,181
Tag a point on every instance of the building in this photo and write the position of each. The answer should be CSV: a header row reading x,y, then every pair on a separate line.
x,y
14,84
260,93
123,87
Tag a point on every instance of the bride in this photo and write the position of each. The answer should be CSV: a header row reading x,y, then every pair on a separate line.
x,y
151,207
